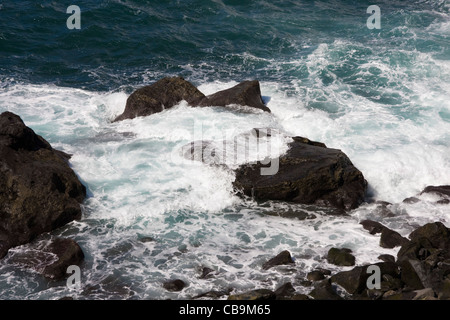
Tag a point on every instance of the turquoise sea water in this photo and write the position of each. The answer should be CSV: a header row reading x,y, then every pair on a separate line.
x,y
380,95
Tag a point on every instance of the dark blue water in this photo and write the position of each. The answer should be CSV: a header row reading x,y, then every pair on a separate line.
x,y
120,41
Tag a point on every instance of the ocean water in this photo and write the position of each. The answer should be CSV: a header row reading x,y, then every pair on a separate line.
x,y
380,95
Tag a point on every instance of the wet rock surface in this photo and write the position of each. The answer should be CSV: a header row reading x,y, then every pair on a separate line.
x,y
39,192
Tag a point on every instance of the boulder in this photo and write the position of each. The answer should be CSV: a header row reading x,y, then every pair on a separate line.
x,y
161,95
283,258
246,93
308,174
258,294
386,258
169,91
315,275
214,294
443,191
425,260
68,253
373,227
341,257
49,258
285,291
323,290
389,238
206,273
174,285
355,281
437,233
39,192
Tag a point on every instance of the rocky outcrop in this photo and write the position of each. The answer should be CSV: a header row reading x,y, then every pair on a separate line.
x,y
39,192
68,253
51,258
308,173
169,91
425,260
161,95
421,271
246,93
389,238
440,192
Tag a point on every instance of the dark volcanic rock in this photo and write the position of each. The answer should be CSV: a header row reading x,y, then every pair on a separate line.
x,y
258,294
437,233
373,227
246,93
308,174
39,191
282,258
169,91
174,285
287,292
68,253
411,200
389,238
163,94
315,275
386,258
355,281
49,258
324,291
440,190
425,260
284,291
214,294
206,273
341,257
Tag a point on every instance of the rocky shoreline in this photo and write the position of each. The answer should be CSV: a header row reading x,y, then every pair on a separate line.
x,y
39,193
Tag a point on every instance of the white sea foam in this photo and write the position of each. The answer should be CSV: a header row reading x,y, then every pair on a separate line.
x,y
137,188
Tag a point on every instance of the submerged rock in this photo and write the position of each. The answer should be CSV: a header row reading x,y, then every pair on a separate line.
x,y
308,174
39,192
